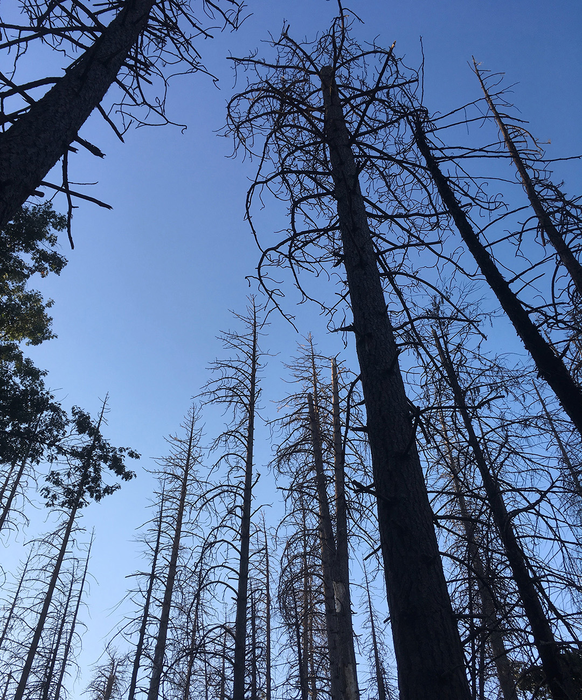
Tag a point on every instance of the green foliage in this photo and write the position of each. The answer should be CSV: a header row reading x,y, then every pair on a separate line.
x,y
82,457
28,246
31,421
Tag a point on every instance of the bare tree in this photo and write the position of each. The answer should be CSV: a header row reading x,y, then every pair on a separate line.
x,y
80,480
142,38
327,129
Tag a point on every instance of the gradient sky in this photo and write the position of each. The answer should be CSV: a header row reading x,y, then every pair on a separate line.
x,y
150,284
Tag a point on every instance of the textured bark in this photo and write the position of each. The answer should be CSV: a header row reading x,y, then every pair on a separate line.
x,y
33,144
561,686
423,624
566,256
549,365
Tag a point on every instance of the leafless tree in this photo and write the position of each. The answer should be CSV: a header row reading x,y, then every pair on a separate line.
x,y
131,45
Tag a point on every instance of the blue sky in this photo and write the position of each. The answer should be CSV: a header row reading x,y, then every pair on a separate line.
x,y
150,284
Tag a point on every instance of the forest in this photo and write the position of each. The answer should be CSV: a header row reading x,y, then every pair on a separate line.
x,y
379,498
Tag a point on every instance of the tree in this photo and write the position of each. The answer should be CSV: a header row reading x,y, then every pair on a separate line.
x,y
142,38
180,477
109,677
549,649
318,120
72,487
236,386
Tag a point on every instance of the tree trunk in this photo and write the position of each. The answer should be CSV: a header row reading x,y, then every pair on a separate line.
x,y
566,256
34,143
423,624
557,678
489,606
268,683
378,669
50,671
238,692
160,648
342,659
146,607
69,642
33,648
549,365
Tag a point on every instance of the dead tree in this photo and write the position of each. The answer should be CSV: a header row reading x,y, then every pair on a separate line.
x,y
556,671
317,157
141,38
180,475
545,211
549,365
236,386
71,488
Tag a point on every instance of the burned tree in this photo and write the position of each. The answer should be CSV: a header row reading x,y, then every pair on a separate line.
x,y
331,145
128,45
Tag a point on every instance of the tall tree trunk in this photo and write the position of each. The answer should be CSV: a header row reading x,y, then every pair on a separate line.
x,y
240,634
557,677
342,660
565,254
14,482
160,648
489,605
56,645
48,597
268,680
34,143
549,365
22,582
423,624
146,607
378,668
70,636
573,472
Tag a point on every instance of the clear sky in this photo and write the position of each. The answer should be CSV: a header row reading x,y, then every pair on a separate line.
x,y
150,284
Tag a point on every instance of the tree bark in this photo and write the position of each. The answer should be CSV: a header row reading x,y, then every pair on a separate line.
x,y
34,143
423,624
344,684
